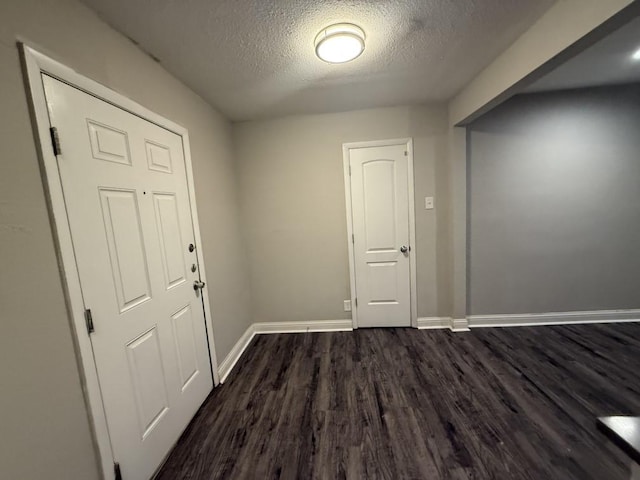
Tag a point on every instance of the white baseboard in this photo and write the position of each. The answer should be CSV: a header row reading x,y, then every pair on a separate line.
x,y
456,325
430,323
460,325
226,366
303,327
453,324
224,369
554,318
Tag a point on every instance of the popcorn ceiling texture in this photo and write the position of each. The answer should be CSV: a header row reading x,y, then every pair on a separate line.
x,y
256,59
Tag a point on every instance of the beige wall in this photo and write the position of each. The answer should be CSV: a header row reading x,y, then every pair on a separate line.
x,y
45,431
290,187
293,206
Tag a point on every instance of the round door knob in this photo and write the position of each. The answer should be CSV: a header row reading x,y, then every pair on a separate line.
x,y
198,285
404,249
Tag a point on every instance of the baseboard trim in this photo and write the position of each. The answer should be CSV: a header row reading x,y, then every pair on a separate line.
x,y
236,352
554,318
260,328
303,327
432,323
427,323
460,325
453,324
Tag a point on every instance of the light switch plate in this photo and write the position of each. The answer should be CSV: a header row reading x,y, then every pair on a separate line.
x,y
347,305
428,203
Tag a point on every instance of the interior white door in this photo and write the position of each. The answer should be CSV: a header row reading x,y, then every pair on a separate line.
x,y
126,195
380,216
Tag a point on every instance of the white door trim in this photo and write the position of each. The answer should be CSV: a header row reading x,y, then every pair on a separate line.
x,y
34,65
408,142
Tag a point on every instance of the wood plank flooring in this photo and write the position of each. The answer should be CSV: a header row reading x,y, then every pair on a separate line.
x,y
500,403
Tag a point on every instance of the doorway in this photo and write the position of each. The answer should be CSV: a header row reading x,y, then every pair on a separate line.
x,y
381,232
120,190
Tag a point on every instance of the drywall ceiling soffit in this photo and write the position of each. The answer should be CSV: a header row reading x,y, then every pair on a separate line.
x,y
608,62
255,58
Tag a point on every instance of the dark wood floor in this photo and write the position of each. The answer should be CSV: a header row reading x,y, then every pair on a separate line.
x,y
517,403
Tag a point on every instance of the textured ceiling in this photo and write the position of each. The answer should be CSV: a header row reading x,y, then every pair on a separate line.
x,y
255,58
608,62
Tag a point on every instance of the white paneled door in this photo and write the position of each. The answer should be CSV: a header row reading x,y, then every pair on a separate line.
x,y
381,249
127,201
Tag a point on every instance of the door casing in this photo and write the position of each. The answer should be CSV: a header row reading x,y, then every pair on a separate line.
x,y
346,147
34,64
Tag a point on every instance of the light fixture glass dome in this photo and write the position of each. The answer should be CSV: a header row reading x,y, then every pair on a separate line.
x,y
340,43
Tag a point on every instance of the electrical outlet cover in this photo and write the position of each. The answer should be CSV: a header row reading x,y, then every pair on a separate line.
x,y
428,203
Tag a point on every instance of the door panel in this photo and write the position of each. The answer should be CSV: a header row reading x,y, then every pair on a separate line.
x,y
380,216
108,143
378,186
127,202
122,226
145,367
170,239
158,157
184,335
383,287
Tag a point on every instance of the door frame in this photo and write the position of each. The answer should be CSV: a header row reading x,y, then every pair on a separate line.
x,y
346,148
34,64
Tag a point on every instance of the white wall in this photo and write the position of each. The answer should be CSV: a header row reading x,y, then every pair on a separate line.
x,y
293,206
45,431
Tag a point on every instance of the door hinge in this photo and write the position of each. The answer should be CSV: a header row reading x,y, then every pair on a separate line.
x,y
353,238
88,318
55,141
356,301
349,170
116,471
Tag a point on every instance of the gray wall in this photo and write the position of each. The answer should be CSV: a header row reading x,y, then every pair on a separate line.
x,y
293,206
44,426
554,203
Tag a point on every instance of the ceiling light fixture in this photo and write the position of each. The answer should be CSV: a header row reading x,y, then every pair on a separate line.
x,y
636,55
340,43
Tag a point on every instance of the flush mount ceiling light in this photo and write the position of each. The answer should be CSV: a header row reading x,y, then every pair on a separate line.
x,y
340,43
636,55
